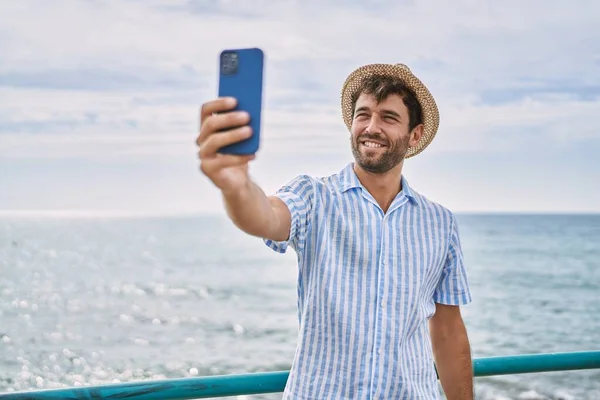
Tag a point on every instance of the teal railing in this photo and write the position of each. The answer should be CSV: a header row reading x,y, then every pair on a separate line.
x,y
273,382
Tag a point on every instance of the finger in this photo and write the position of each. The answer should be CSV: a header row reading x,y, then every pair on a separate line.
x,y
213,143
224,161
221,122
215,106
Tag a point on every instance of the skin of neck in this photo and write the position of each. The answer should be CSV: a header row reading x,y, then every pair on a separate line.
x,y
383,187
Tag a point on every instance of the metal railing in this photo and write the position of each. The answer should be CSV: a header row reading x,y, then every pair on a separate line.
x,y
274,382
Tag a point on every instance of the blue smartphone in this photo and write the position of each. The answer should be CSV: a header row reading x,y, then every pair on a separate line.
x,y
241,76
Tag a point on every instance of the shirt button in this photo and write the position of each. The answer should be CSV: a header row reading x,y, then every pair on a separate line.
x,y
382,305
378,351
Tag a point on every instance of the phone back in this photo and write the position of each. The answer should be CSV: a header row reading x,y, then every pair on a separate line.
x,y
241,76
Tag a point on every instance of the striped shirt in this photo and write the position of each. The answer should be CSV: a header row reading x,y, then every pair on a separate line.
x,y
368,282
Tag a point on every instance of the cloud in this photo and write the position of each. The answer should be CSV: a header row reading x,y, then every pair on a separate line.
x,y
123,80
103,79
544,123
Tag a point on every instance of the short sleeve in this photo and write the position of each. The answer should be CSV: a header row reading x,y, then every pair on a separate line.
x,y
298,196
453,287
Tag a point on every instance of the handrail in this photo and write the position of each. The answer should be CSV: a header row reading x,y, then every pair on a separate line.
x,y
273,382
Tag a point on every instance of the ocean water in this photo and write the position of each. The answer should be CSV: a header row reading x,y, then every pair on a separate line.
x,y
92,301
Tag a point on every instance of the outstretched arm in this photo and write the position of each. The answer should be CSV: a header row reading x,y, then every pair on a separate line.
x,y
257,214
247,205
452,352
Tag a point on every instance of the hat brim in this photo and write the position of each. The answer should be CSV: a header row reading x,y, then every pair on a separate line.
x,y
431,117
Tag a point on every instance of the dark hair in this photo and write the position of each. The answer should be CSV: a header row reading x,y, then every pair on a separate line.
x,y
381,86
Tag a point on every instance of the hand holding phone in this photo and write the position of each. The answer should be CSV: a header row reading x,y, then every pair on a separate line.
x,y
230,125
220,127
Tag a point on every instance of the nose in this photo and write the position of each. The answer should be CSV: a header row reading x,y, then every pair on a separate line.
x,y
374,124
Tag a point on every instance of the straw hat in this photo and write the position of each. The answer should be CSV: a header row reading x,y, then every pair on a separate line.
x,y
431,117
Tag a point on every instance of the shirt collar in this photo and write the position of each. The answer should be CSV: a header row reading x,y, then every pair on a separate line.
x,y
349,180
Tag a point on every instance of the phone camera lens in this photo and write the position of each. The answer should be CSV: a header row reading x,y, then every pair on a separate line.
x,y
230,63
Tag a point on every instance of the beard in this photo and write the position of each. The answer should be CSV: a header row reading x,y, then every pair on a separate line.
x,y
377,160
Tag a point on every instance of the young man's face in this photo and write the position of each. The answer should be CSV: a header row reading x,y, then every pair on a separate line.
x,y
380,133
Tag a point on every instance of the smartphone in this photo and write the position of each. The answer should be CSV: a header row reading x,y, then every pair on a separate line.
x,y
241,76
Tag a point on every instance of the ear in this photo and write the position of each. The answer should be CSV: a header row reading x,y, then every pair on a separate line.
x,y
415,135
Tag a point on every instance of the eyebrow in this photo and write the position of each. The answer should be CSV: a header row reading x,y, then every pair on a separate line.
x,y
384,112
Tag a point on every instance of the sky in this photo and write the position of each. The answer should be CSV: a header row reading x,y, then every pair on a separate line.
x,y
99,100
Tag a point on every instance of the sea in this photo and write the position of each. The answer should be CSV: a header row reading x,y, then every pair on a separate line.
x,y
96,300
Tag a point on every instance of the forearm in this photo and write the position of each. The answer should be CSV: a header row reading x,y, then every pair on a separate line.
x,y
454,364
251,211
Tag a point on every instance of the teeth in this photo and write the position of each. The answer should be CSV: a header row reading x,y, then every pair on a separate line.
x,y
372,144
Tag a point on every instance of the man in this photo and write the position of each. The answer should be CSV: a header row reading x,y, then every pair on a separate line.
x,y
381,274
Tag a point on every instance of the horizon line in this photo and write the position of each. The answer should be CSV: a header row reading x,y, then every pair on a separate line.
x,y
123,214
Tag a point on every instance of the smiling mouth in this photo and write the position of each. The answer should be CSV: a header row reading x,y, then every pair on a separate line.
x,y
372,145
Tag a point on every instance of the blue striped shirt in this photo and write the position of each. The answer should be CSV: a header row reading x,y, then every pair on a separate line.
x,y
368,282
